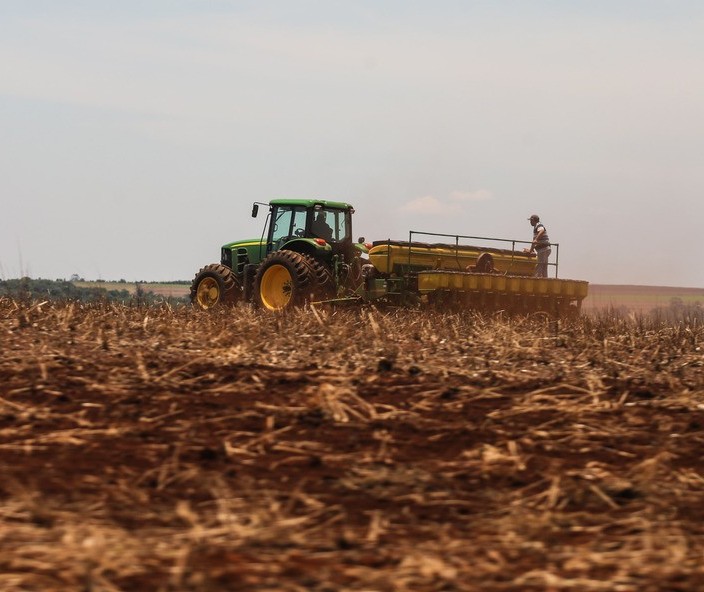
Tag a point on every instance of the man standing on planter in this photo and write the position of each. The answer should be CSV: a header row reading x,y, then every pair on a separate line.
x,y
541,246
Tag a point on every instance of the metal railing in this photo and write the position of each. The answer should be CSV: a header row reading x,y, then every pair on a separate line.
x,y
457,246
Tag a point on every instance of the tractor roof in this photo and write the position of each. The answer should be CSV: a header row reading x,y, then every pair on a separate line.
x,y
309,203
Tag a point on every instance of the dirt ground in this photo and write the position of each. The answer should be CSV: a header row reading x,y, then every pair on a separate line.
x,y
159,449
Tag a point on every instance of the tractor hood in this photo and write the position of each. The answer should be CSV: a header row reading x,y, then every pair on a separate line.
x,y
252,242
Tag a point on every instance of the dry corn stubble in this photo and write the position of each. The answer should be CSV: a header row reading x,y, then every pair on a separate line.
x,y
166,449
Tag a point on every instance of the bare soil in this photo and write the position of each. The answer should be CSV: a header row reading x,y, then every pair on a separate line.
x,y
159,449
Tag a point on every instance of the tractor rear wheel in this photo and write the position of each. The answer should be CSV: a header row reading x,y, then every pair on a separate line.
x,y
324,281
215,285
284,280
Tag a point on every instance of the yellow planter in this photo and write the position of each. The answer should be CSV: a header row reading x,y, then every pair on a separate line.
x,y
396,257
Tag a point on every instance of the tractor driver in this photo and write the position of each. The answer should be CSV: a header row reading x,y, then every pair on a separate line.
x,y
320,227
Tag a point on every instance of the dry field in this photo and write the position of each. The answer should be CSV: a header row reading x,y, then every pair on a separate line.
x,y
173,290
638,299
602,297
160,449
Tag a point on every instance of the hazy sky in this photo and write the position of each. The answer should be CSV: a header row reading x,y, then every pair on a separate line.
x,y
136,134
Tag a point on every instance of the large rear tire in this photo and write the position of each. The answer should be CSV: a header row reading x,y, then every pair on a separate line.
x,y
284,280
215,285
324,281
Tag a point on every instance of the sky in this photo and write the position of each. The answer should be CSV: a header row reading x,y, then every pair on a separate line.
x,y
135,135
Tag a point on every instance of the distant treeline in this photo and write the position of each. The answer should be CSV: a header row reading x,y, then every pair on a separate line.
x,y
40,289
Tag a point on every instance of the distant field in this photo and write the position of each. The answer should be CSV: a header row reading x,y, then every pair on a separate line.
x,y
162,289
601,296
638,298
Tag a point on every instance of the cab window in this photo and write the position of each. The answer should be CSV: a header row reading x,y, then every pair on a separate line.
x,y
338,221
287,221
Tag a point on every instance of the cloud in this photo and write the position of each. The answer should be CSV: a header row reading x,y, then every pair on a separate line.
x,y
429,204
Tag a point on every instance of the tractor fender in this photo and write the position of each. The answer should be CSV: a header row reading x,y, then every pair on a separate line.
x,y
307,246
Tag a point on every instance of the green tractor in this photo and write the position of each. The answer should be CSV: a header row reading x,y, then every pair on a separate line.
x,y
306,254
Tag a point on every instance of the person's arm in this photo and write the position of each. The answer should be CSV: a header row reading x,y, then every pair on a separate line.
x,y
329,231
536,238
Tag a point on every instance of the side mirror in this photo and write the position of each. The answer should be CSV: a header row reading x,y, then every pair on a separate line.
x,y
255,210
360,240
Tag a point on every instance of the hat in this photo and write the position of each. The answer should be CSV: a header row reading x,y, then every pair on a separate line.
x,y
534,217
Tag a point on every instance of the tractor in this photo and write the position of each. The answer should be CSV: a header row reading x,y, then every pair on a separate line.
x,y
306,253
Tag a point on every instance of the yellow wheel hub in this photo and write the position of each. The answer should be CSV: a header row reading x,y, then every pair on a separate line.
x,y
208,293
275,287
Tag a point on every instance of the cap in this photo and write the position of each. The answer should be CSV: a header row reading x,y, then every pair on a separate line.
x,y
534,217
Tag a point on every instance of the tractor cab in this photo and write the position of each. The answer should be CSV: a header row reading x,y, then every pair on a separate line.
x,y
307,225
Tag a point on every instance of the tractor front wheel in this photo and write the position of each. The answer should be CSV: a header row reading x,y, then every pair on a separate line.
x,y
215,285
284,280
